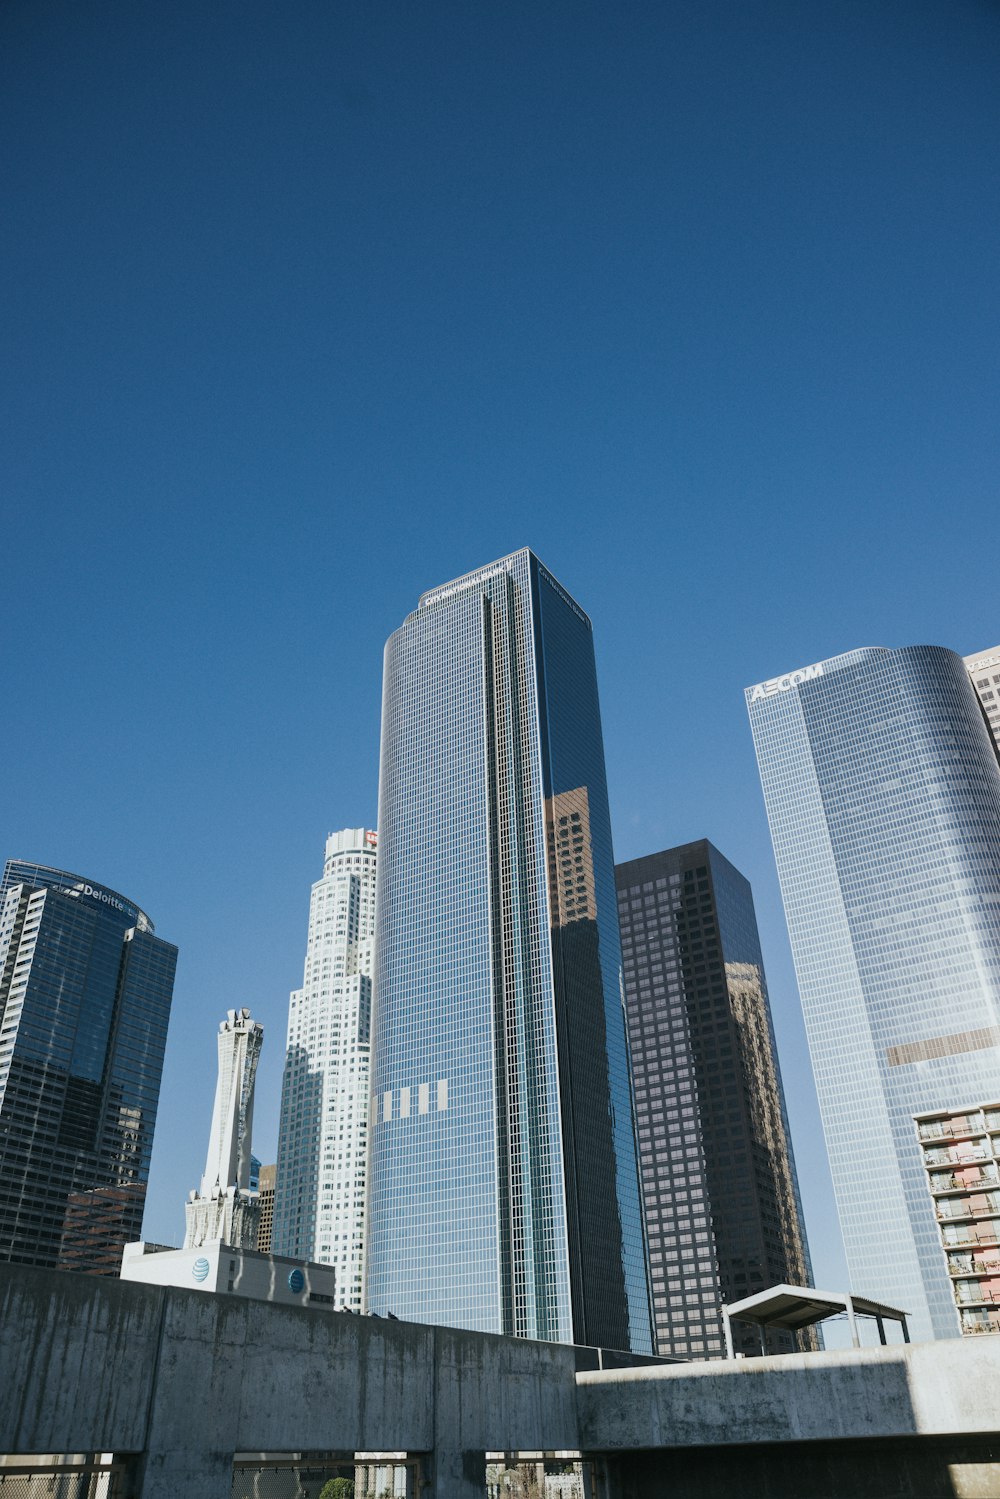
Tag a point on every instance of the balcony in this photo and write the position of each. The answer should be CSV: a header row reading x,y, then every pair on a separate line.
x,y
977,1296
982,1238
960,1209
985,1324
946,1182
976,1267
952,1129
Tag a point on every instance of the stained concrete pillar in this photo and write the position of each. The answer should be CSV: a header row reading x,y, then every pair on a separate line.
x,y
456,1474
196,1475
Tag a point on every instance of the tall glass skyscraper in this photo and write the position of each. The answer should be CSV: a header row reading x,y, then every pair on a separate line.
x,y
882,788
319,1194
503,1189
85,991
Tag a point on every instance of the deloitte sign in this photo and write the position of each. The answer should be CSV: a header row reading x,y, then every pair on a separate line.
x,y
105,898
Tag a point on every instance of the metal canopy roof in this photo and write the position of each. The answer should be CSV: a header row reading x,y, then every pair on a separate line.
x,y
801,1306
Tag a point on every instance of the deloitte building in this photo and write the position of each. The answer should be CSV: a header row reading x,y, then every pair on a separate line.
x,y
85,990
883,795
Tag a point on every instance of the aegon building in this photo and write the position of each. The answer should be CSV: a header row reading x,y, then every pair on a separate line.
x,y
883,796
504,1188
85,991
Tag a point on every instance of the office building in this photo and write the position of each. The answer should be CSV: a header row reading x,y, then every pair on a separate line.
x,y
504,1190
882,788
984,670
226,1207
265,1226
961,1152
718,1177
85,990
319,1198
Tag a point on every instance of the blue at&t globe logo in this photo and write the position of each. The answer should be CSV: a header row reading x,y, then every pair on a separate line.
x,y
200,1269
296,1281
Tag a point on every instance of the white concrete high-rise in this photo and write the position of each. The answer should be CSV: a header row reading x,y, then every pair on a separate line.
x,y
225,1208
984,670
319,1202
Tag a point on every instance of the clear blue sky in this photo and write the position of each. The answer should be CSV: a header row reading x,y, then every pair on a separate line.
x,y
308,307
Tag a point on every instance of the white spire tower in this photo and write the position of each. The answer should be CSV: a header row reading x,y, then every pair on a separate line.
x,y
225,1208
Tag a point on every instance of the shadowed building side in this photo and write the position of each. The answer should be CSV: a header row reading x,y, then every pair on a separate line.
x,y
721,1195
85,991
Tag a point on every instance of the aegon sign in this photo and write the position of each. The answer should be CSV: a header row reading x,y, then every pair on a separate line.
x,y
784,684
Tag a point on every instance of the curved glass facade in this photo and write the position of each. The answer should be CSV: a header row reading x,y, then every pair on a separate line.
x,y
883,795
85,991
503,1184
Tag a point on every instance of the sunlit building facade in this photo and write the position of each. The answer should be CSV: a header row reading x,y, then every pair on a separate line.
x,y
226,1206
265,1227
882,788
961,1153
319,1194
984,670
722,1204
504,1190
85,991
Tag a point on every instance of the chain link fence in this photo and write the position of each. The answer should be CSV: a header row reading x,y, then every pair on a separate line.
x,y
55,1478
364,1476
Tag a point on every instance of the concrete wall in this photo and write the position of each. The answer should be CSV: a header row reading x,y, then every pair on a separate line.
x,y
915,1422
100,1365
903,1390
187,1380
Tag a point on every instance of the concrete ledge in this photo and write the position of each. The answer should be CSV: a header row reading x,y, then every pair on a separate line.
x,y
904,1390
185,1379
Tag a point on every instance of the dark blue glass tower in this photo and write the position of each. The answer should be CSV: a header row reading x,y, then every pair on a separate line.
x,y
883,794
503,1187
718,1174
85,990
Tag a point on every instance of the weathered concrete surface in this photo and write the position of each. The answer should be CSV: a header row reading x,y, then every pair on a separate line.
x,y
907,1390
186,1379
76,1361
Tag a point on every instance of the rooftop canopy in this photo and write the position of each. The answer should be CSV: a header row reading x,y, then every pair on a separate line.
x,y
793,1307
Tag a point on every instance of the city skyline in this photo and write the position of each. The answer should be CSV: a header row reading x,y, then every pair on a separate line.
x,y
829,1250
307,309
